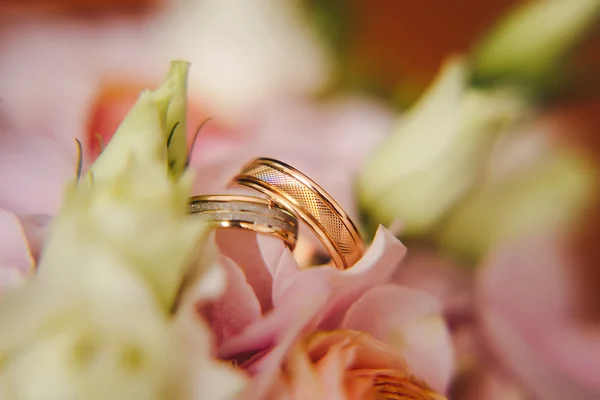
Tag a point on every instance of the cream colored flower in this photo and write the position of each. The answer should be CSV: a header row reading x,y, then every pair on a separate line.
x,y
101,334
130,202
94,324
434,157
156,120
546,196
96,334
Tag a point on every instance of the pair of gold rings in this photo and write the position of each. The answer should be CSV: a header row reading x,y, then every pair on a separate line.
x,y
290,196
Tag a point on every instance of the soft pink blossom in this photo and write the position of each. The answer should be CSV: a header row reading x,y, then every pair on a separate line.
x,y
528,307
270,305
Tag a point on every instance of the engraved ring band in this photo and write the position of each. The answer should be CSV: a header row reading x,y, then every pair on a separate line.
x,y
289,187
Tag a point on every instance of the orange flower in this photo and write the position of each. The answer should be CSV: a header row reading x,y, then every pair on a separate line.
x,y
346,364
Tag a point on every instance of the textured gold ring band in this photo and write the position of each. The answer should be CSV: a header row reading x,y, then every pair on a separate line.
x,y
288,186
247,212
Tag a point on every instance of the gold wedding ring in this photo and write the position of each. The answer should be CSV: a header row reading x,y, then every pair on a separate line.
x,y
257,214
294,190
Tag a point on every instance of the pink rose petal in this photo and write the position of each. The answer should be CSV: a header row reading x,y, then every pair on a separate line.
x,y
237,308
243,248
410,320
295,316
331,293
16,261
36,229
304,304
278,258
526,299
373,269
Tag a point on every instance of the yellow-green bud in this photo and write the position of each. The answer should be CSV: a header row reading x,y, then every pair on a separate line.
x,y
158,118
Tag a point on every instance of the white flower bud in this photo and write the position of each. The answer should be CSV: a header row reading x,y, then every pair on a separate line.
x,y
434,156
548,195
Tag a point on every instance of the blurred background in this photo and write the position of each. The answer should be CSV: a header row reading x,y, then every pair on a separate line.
x,y
262,68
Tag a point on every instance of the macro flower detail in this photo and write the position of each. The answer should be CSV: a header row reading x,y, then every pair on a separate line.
x,y
335,232
271,307
351,365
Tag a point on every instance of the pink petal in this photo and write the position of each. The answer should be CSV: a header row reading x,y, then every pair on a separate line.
x,y
295,316
15,259
216,143
373,269
76,58
36,229
237,308
323,294
303,305
526,298
34,172
410,320
213,176
278,258
280,263
243,248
